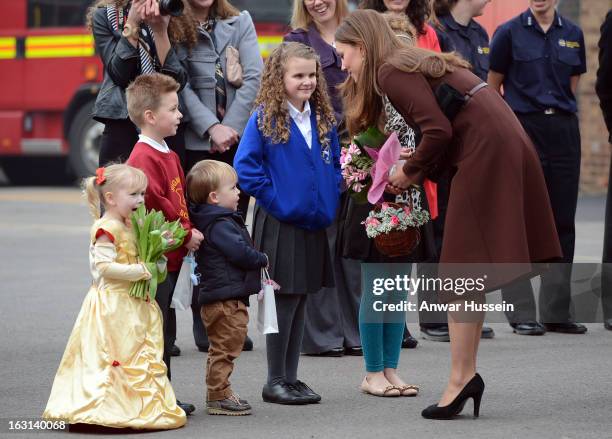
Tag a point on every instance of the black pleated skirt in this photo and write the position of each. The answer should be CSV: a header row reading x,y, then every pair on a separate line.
x,y
300,260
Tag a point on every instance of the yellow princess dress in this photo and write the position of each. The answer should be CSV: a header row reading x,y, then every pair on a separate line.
x,y
112,372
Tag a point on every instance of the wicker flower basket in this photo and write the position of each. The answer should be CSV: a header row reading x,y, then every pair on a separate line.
x,y
397,242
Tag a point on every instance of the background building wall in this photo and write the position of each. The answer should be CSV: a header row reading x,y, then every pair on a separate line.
x,y
590,14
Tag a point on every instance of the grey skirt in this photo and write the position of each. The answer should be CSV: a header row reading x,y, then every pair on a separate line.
x,y
300,261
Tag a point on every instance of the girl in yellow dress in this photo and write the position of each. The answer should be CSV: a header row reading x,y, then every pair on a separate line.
x,y
112,373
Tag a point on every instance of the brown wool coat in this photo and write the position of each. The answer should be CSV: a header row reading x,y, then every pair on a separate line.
x,y
498,210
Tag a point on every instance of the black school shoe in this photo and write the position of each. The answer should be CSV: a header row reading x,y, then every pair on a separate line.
x,y
187,408
437,333
306,391
175,351
248,344
487,332
409,342
333,352
608,324
566,327
355,351
283,393
528,328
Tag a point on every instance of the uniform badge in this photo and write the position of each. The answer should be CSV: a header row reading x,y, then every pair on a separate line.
x,y
562,43
326,153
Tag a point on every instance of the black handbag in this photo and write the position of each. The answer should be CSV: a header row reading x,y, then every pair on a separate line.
x,y
451,100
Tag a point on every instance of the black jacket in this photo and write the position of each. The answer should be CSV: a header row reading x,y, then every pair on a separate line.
x,y
229,265
604,74
122,65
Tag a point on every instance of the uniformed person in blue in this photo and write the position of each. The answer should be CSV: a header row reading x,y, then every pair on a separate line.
x,y
539,57
457,32
603,87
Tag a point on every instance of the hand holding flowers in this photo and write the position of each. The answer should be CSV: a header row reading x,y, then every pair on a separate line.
x,y
154,237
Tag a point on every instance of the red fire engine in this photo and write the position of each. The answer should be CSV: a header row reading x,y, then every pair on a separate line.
x,y
49,79
50,76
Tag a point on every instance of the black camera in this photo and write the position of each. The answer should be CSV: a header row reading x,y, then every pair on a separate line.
x,y
171,7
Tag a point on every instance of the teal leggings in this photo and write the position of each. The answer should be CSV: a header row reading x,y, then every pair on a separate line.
x,y
381,342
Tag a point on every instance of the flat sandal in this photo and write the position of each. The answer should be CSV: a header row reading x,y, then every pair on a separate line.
x,y
408,390
367,388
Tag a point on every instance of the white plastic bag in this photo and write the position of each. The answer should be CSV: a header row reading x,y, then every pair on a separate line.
x,y
266,306
183,290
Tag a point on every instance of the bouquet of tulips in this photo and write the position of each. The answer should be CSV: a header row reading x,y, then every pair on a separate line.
x,y
357,160
154,237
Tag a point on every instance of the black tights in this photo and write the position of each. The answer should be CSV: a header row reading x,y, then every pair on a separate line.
x,y
283,349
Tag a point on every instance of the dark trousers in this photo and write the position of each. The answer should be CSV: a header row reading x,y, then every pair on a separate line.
x,y
120,136
332,313
557,141
165,290
283,349
606,270
191,158
435,319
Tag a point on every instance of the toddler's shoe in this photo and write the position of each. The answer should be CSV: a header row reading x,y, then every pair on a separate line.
x,y
232,406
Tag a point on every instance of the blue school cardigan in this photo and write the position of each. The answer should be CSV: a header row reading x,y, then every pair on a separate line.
x,y
293,183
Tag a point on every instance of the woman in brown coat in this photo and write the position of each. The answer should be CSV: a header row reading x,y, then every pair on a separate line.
x,y
498,210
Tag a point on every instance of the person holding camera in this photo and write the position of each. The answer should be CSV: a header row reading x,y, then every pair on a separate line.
x,y
135,37
224,75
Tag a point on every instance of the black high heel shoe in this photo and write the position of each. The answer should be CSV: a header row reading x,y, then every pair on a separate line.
x,y
473,389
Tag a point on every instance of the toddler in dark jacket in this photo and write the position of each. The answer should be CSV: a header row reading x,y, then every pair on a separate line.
x,y
230,268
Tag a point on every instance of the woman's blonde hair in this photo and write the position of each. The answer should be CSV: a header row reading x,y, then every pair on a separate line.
x,y
274,119
111,178
301,19
181,29
368,30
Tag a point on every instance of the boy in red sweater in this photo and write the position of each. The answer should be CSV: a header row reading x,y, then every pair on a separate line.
x,y
152,103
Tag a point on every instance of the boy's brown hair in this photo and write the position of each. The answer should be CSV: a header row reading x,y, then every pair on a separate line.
x,y
145,93
205,177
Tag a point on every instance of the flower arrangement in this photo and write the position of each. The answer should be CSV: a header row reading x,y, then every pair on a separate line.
x,y
356,162
154,237
393,217
395,228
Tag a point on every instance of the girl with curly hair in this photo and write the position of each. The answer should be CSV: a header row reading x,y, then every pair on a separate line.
x,y
288,159
133,38
417,11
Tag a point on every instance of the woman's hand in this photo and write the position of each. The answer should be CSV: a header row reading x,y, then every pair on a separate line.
x,y
137,12
157,22
222,137
406,153
398,182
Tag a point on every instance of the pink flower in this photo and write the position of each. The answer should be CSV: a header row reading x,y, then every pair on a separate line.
x,y
395,220
372,222
358,187
406,210
353,149
385,206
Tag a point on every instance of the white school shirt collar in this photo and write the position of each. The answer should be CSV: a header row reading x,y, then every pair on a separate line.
x,y
154,144
302,120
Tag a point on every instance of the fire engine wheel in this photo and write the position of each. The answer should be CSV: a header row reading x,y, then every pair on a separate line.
x,y
84,139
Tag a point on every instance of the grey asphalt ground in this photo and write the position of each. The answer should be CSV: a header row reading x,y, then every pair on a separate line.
x,y
555,386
